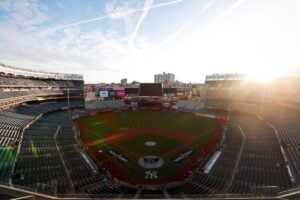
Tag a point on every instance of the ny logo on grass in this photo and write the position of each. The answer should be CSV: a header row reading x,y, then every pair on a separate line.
x,y
151,175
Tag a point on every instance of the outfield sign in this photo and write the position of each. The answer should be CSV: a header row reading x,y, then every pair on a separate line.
x,y
120,93
112,93
104,93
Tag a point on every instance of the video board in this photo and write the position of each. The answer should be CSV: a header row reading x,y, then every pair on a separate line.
x,y
151,89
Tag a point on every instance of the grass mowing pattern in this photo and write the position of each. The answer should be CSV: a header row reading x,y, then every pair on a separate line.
x,y
149,119
100,130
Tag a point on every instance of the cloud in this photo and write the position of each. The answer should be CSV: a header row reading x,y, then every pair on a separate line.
x,y
167,3
112,12
5,5
181,29
227,12
24,14
207,5
180,45
94,52
174,35
147,6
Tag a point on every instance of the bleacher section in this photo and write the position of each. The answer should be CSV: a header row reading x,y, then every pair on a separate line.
x,y
109,104
238,87
7,82
13,98
12,124
189,106
282,125
221,174
49,156
261,163
16,88
112,190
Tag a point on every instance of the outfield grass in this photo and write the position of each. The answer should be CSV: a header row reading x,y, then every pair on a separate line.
x,y
99,128
159,119
163,144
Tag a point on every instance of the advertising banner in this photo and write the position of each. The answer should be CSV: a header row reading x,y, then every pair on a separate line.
x,y
120,93
104,93
112,93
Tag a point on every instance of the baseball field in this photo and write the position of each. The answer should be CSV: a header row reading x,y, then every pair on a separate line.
x,y
150,146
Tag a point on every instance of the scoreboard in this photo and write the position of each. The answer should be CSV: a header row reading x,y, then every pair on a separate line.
x,y
151,89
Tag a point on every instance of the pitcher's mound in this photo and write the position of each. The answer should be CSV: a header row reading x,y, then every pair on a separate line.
x,y
150,143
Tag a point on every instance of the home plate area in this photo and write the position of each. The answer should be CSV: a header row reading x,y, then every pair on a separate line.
x,y
151,162
148,154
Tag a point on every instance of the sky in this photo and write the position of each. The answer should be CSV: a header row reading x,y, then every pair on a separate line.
x,y
107,40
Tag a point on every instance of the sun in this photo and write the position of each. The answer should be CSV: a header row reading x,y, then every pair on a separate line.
x,y
265,76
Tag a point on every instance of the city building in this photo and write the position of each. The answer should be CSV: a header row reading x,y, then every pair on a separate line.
x,y
164,77
123,81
